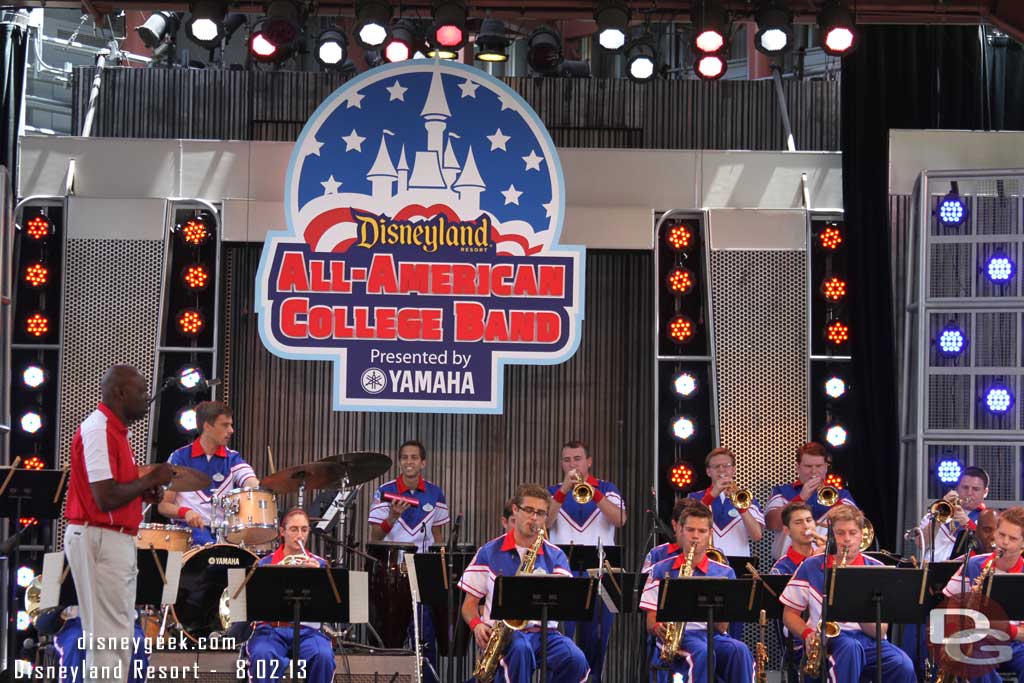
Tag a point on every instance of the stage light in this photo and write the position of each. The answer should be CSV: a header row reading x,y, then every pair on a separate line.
x,y
612,17
681,476
681,280
833,479
261,49
196,277
836,436
710,67
39,227
833,289
25,576
683,428
774,29
491,41
33,462
641,58
998,399
449,29
835,387
679,238
36,275
544,51
282,23
156,27
190,378
190,322
372,18
31,422
952,210
38,325
948,470
186,420
196,230
681,329
34,376
23,622
685,385
399,46
837,332
28,521
710,26
204,25
331,47
838,29
830,237
951,340
1000,268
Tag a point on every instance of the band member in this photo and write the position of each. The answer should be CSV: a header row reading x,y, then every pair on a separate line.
x,y
103,511
812,463
801,529
506,514
734,528
733,661
210,455
1007,559
270,648
852,652
395,517
970,493
66,628
985,534
572,522
502,557
666,550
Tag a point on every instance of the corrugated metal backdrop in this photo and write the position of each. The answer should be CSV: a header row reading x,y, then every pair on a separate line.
x,y
675,114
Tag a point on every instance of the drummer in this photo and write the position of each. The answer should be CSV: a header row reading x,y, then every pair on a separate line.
x,y
226,469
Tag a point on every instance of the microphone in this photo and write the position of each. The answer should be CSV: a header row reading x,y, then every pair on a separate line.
x,y
453,537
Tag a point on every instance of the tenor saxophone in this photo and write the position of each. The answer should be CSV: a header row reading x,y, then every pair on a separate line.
x,y
487,663
761,654
814,649
674,629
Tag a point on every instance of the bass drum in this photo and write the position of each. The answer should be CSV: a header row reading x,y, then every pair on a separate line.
x,y
204,576
390,596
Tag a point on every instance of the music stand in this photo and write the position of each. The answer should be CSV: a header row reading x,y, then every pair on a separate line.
x,y
150,588
860,593
739,564
1006,590
706,598
432,577
544,597
584,557
616,585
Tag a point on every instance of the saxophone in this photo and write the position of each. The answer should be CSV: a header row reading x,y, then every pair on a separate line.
x,y
761,654
674,629
501,633
814,650
942,673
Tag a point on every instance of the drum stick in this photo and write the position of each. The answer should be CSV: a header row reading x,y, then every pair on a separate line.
x,y
270,460
334,587
610,573
60,486
924,584
159,567
10,473
247,577
64,575
444,568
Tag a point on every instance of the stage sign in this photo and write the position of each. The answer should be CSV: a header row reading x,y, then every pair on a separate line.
x,y
424,203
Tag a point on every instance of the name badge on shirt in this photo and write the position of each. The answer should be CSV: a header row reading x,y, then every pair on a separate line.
x,y
428,507
734,513
218,477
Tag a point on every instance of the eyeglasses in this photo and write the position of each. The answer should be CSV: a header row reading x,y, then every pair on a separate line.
x,y
531,512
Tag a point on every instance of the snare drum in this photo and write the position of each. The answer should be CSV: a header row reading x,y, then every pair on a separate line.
x,y
390,597
163,537
204,576
249,514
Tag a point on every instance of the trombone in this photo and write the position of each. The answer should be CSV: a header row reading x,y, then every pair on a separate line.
x,y
942,510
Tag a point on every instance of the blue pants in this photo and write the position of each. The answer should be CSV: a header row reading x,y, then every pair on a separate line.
x,y
852,659
593,638
733,662
913,641
270,651
73,657
1015,665
566,664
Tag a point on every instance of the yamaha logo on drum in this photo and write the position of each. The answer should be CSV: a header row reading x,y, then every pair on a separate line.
x,y
233,561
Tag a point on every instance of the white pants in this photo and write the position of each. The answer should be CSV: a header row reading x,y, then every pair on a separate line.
x,y
103,563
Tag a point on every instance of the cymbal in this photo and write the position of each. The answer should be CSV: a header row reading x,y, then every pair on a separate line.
x,y
361,466
315,475
182,478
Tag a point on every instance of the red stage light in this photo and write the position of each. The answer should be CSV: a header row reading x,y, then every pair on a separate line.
x,y
448,35
37,275
33,463
397,51
190,322
37,325
839,40
195,231
38,227
681,280
261,47
28,521
837,332
681,329
830,238
710,40
711,67
681,476
679,237
833,288
196,277
833,479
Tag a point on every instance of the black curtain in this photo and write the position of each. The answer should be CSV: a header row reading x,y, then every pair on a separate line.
x,y
916,77
13,53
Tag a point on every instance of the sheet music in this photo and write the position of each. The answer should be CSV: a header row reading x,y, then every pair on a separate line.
x,y
358,595
53,566
173,573
236,575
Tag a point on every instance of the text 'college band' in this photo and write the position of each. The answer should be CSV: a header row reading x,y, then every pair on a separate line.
x,y
104,513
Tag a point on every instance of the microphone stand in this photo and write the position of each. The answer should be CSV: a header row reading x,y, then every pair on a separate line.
x,y
451,624
830,548
652,537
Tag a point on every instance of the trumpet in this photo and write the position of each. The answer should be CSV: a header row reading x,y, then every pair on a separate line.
x,y
828,495
741,498
942,510
582,493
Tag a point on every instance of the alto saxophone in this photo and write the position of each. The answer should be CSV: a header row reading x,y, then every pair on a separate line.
x,y
501,633
674,629
814,649
761,654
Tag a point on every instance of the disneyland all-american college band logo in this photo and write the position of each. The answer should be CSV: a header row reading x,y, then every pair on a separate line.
x,y
424,203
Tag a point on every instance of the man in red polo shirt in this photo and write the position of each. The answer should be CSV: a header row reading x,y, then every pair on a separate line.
x,y
104,509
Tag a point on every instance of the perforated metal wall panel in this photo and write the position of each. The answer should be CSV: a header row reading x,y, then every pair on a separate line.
x,y
760,307
111,310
